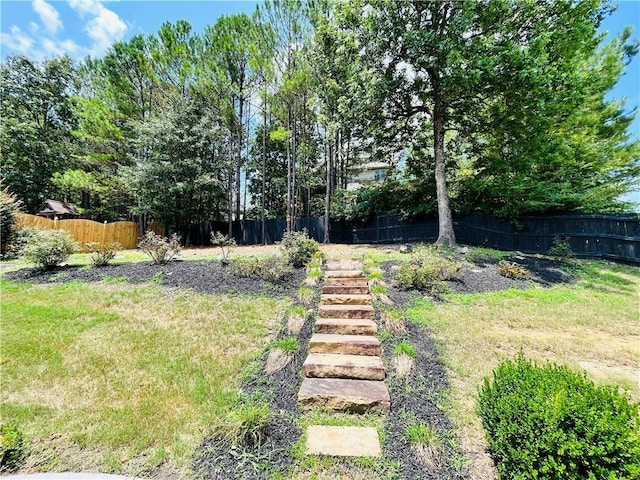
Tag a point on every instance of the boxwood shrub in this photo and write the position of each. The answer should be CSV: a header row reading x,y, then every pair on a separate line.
x,y
548,422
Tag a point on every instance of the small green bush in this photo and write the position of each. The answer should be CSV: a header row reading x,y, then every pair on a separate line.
x,y
550,422
12,448
561,248
426,274
48,249
512,270
225,242
9,208
103,253
405,348
298,248
272,269
245,425
161,249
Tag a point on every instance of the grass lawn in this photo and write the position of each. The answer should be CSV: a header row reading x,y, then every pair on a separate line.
x,y
592,325
116,377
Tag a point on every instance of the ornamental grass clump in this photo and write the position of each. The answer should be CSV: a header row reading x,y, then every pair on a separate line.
x,y
161,249
48,249
550,422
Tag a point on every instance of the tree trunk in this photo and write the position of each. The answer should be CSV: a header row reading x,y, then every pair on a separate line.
x,y
446,234
264,169
327,195
239,158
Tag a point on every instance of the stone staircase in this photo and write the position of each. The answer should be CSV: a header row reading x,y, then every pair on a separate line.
x,y
344,369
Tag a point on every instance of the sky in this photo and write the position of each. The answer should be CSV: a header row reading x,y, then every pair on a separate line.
x,y
47,28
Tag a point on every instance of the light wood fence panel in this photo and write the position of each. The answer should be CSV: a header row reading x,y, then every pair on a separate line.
x,y
85,231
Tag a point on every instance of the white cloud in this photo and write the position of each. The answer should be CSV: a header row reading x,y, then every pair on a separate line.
x,y
49,16
104,28
16,40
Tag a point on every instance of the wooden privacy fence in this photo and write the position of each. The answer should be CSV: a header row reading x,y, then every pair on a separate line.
x,y
85,231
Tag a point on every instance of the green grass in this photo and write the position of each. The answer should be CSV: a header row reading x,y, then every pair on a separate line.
x,y
590,325
288,345
115,377
404,348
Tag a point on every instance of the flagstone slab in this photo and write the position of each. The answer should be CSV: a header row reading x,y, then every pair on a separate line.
x,y
333,365
345,344
346,326
350,281
345,289
344,274
345,299
343,441
346,311
344,395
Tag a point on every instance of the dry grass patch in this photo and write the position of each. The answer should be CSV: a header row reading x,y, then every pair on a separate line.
x,y
402,365
133,372
588,325
427,445
393,320
296,318
276,361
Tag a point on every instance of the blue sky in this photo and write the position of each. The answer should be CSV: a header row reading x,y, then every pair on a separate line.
x,y
46,28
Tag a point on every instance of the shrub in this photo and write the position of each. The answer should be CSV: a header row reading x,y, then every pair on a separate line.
x,y
271,269
298,248
427,274
512,270
161,249
561,248
103,253
9,209
49,248
11,447
550,422
225,242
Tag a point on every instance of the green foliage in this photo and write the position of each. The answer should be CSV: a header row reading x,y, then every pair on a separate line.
x,y
297,248
12,447
225,242
273,269
288,345
48,249
9,209
245,425
512,270
305,295
561,248
161,249
422,434
426,273
550,422
405,348
103,253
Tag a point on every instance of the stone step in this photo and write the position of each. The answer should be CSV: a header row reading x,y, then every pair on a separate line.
x,y
345,265
344,274
333,365
345,299
358,396
345,290
346,326
336,281
343,441
345,344
346,311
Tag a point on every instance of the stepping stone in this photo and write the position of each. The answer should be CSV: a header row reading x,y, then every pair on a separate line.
x,y
343,441
345,290
332,365
346,311
346,326
344,274
345,344
354,281
345,299
358,396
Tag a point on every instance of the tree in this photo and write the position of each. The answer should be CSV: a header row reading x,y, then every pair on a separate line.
x,y
37,119
437,67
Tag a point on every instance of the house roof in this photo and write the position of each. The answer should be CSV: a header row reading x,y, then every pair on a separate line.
x,y
371,166
54,207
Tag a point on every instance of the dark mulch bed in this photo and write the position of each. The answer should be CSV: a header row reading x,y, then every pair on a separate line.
x,y
481,276
199,275
214,460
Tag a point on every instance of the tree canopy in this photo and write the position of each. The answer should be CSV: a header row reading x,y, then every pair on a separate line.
x,y
487,105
